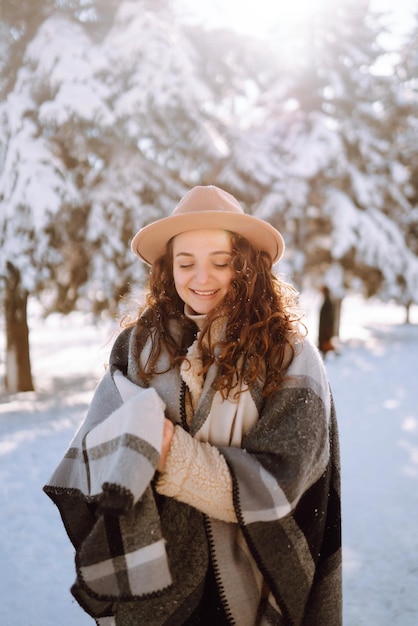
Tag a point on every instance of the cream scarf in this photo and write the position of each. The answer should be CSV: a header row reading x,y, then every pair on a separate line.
x,y
229,419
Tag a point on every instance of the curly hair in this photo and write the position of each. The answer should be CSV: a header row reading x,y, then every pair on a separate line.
x,y
260,314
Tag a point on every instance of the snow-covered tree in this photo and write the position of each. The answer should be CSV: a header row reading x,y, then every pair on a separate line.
x,y
43,214
33,189
368,238
118,123
334,175
406,127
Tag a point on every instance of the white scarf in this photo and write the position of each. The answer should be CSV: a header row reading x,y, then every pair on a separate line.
x,y
229,419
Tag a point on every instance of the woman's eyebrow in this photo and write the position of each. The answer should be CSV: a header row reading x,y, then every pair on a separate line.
x,y
215,252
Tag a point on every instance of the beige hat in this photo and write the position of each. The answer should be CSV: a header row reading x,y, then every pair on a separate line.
x,y
206,207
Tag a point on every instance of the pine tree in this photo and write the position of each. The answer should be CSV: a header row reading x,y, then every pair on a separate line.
x,y
38,184
107,124
330,174
32,187
405,121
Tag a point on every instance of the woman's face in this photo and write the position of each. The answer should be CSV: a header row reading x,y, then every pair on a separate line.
x,y
202,268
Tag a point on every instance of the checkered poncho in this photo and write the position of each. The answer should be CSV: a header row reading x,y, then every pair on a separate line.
x,y
144,557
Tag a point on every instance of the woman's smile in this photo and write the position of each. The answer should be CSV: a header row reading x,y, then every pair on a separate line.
x,y
205,293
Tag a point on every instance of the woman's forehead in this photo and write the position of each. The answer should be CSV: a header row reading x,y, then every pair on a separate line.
x,y
204,239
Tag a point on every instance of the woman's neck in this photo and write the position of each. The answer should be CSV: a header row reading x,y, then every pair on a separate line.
x,y
198,318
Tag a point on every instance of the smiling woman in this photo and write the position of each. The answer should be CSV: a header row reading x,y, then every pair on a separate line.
x,y
208,466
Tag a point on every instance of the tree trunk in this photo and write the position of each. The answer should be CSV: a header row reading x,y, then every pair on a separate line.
x,y
18,368
408,313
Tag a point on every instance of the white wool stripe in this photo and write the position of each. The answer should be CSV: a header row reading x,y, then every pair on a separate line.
x,y
281,505
142,416
145,555
267,515
142,556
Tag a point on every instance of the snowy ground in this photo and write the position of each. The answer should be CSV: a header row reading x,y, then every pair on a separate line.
x,y
375,385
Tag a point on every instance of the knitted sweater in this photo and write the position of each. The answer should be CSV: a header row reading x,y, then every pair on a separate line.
x,y
258,496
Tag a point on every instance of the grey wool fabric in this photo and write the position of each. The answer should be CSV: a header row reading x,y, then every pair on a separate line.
x,y
143,558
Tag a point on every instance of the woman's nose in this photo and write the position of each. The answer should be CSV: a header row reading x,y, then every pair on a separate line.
x,y
202,274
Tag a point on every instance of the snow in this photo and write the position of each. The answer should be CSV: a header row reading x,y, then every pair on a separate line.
x,y
374,385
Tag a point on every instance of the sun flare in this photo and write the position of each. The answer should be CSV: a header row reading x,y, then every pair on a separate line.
x,y
272,19
262,17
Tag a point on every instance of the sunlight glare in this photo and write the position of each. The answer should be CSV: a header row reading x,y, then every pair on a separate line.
x,y
261,17
273,19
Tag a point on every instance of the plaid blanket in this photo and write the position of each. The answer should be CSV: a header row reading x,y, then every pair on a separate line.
x,y
144,557
103,490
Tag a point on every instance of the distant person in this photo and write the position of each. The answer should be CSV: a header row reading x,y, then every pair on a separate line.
x,y
326,324
203,486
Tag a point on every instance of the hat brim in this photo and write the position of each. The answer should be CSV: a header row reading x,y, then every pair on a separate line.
x,y
150,242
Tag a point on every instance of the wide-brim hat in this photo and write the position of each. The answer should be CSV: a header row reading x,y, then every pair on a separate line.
x,y
207,207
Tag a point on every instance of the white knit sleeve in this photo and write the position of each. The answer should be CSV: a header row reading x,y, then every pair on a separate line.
x,y
197,474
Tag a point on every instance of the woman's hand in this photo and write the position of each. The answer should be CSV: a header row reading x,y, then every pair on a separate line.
x,y
168,433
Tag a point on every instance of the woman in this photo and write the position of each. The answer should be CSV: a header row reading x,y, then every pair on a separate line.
x,y
203,487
